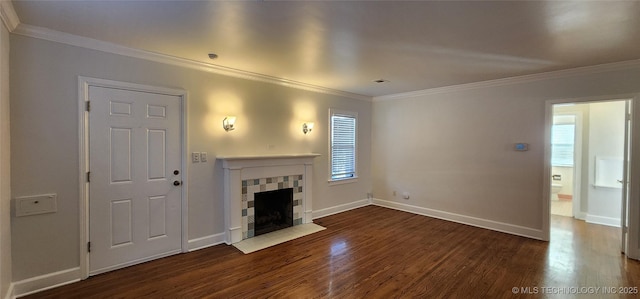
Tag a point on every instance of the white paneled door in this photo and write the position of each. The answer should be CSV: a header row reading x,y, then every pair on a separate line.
x,y
135,177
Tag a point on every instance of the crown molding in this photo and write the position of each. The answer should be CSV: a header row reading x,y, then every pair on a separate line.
x,y
11,20
94,44
586,70
8,15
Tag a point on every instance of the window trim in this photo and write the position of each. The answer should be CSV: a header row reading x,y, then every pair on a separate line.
x,y
331,180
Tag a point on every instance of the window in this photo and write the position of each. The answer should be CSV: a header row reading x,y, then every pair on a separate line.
x,y
343,145
562,139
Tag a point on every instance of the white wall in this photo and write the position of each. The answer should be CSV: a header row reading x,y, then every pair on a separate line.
x,y
606,139
45,143
5,166
567,179
452,149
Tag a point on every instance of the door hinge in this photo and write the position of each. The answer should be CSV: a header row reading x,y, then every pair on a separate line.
x,y
88,246
628,117
88,176
625,229
88,106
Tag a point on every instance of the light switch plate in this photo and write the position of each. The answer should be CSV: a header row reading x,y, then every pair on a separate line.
x,y
203,157
37,204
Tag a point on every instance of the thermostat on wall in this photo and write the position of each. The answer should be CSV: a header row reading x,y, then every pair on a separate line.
x,y
522,147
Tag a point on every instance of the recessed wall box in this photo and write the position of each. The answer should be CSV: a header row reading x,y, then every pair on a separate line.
x,y
37,204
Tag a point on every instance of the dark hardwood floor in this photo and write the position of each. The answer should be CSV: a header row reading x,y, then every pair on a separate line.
x,y
374,252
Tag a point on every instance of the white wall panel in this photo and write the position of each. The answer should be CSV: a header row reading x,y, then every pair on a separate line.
x,y
157,159
157,216
121,226
120,152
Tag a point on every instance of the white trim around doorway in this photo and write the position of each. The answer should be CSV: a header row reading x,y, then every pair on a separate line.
x,y
633,245
83,134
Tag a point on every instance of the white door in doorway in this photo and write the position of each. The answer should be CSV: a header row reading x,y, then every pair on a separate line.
x,y
135,177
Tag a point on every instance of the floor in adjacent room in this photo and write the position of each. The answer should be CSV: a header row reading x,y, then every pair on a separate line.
x,y
562,208
375,252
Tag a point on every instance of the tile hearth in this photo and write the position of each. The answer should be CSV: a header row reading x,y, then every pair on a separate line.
x,y
278,237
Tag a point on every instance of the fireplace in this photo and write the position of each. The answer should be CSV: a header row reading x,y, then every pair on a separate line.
x,y
247,176
273,210
252,187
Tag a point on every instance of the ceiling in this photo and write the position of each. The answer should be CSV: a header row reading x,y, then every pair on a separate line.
x,y
344,46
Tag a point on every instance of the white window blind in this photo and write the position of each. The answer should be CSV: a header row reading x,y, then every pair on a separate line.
x,y
343,146
562,139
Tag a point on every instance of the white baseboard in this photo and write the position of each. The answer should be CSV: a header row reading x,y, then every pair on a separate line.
x,y
9,294
609,221
45,282
60,278
206,241
340,208
52,280
581,215
473,221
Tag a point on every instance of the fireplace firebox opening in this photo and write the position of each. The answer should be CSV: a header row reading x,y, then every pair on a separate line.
x,y
273,210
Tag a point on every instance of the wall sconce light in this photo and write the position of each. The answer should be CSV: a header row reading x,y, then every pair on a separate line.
x,y
307,127
228,123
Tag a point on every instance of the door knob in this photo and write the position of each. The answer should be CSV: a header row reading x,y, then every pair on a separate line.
x,y
176,172
176,183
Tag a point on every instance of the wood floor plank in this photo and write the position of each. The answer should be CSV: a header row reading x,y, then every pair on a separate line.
x,y
374,252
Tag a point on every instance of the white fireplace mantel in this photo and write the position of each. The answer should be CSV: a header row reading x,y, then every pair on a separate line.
x,y
239,168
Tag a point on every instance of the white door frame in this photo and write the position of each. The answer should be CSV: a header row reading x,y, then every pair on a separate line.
x,y
633,245
83,133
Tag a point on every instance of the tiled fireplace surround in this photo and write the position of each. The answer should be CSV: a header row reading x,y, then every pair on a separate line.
x,y
252,186
246,175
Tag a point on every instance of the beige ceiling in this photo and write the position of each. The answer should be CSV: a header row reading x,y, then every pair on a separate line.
x,y
346,45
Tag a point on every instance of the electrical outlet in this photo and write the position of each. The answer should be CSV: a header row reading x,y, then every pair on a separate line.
x,y
405,195
195,157
203,157
394,192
